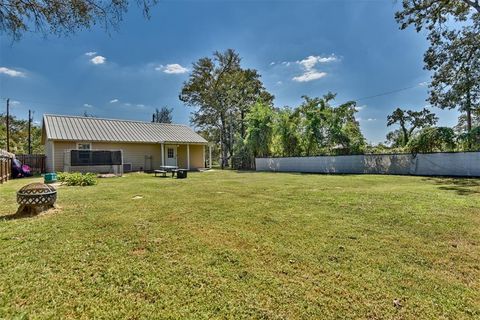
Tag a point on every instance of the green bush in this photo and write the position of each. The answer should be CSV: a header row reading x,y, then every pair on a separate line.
x,y
77,179
62,176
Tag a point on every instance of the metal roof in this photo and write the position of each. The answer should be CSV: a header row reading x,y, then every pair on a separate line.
x,y
73,128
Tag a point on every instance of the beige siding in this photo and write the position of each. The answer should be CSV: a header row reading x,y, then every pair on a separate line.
x,y
137,154
49,156
60,147
196,156
142,156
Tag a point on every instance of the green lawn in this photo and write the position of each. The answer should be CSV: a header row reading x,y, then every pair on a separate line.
x,y
246,245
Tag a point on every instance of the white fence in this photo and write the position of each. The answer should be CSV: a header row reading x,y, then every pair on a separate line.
x,y
465,164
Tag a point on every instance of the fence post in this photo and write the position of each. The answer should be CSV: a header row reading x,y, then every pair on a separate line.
x,y
5,166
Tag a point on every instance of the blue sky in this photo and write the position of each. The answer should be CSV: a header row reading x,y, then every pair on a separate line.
x,y
353,48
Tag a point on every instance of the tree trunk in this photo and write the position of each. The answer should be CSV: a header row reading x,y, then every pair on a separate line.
x,y
242,125
223,146
405,135
469,118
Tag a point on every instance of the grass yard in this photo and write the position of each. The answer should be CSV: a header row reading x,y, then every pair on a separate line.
x,y
246,245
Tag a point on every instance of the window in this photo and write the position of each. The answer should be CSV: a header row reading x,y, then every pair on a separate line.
x,y
84,146
170,153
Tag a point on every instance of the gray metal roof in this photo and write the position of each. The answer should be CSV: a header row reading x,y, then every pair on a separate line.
x,y
72,128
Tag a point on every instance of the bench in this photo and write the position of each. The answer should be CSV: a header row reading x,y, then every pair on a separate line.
x,y
162,172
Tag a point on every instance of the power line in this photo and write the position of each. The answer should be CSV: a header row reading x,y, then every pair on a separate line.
x,y
386,93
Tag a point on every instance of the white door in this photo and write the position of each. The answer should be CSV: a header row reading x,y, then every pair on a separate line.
x,y
170,155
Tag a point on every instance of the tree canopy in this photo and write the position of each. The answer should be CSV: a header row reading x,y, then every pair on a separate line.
x,y
164,115
453,30
409,121
63,16
19,135
222,92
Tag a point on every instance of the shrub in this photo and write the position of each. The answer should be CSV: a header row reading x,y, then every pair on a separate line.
x,y
433,139
77,179
61,176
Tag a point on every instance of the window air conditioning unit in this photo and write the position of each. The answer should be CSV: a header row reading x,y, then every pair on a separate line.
x,y
127,167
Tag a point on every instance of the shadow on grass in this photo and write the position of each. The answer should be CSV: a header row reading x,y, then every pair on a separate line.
x,y
462,186
16,216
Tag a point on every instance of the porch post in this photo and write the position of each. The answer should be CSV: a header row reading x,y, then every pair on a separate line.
x,y
188,156
203,154
163,156
210,156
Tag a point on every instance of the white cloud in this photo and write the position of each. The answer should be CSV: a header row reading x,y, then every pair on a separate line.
x,y
371,119
360,108
310,76
140,106
86,105
90,53
12,72
279,83
14,102
173,68
272,63
311,61
423,84
113,100
98,60
310,72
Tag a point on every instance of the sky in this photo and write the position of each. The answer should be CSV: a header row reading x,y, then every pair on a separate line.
x,y
350,47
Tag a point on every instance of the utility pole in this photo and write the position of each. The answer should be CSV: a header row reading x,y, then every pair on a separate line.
x,y
30,119
8,125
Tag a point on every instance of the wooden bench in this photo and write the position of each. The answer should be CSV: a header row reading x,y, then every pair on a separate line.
x,y
162,172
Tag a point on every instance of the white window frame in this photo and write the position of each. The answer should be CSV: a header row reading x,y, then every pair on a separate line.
x,y
84,143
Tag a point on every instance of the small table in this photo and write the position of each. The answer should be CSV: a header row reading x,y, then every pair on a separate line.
x,y
168,168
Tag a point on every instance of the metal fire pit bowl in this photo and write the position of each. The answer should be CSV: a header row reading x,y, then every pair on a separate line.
x,y
36,197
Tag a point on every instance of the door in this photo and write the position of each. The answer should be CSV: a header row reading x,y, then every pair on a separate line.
x,y
171,155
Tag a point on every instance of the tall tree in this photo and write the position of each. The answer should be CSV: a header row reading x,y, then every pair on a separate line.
x,y
409,121
454,56
63,16
221,93
453,29
164,115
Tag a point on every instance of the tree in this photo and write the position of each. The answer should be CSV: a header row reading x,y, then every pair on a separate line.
x,y
286,129
325,129
221,93
63,17
409,121
454,54
260,129
433,14
470,140
164,115
432,139
19,135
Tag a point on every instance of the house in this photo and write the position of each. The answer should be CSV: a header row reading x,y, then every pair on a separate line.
x,y
142,145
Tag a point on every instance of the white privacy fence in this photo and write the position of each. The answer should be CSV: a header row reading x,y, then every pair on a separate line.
x,y
428,164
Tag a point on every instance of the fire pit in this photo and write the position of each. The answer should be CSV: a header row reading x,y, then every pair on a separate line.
x,y
35,198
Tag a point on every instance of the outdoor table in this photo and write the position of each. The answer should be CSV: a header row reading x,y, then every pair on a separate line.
x,y
168,168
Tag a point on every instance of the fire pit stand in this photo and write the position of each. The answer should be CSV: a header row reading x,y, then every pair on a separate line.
x,y
35,198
